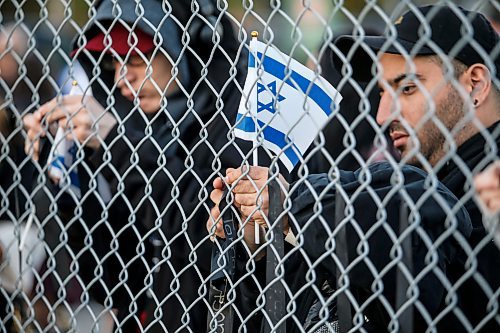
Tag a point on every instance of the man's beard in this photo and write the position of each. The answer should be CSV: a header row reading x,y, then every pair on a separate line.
x,y
433,143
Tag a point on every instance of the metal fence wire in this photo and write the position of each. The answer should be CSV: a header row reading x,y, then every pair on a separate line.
x,y
129,204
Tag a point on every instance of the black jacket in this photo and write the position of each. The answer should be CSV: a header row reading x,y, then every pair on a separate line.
x,y
476,272
372,231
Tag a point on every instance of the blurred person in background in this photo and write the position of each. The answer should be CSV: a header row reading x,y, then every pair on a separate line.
x,y
487,184
23,87
20,73
9,220
18,266
156,127
23,84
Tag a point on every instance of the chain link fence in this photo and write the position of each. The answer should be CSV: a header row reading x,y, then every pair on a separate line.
x,y
118,122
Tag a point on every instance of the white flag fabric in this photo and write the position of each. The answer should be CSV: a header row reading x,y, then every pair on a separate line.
x,y
284,103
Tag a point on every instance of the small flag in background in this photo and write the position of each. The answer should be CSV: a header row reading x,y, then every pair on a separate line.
x,y
283,102
62,166
62,157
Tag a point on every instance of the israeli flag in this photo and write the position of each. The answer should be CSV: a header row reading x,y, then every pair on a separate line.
x,y
62,167
62,157
284,103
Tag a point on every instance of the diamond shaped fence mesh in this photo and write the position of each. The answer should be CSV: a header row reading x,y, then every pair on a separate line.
x,y
155,174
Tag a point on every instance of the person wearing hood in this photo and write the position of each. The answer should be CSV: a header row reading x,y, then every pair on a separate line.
x,y
487,184
153,123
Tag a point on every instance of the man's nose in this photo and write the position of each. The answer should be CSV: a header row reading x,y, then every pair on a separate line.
x,y
384,108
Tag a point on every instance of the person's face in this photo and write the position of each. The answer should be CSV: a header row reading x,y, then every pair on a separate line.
x,y
148,84
418,106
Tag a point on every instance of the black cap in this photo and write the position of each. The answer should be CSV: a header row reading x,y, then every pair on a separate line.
x,y
426,31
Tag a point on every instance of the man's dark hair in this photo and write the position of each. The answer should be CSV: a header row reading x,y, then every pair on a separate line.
x,y
458,68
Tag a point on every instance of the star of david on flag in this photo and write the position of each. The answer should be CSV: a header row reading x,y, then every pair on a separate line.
x,y
261,90
284,103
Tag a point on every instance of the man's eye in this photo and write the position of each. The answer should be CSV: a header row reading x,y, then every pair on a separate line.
x,y
408,89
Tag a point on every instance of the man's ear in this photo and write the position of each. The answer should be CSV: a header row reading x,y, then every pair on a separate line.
x,y
478,82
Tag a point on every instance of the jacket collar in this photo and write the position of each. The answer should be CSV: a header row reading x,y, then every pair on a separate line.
x,y
471,150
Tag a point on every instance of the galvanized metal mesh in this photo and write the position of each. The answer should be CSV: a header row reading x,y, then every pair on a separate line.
x,y
119,242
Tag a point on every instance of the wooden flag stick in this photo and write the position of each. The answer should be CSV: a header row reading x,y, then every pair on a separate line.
x,y
255,155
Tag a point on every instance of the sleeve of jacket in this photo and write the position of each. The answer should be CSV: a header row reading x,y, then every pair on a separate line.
x,y
372,231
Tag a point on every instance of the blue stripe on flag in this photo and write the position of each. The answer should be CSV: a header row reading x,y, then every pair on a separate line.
x,y
75,180
277,69
279,139
247,124
60,164
251,60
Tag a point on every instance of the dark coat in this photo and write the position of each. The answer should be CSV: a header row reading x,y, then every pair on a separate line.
x,y
370,234
478,280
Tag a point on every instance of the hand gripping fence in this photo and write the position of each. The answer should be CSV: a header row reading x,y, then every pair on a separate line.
x,y
221,315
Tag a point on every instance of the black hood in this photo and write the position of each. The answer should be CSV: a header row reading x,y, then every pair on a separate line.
x,y
209,69
153,17
182,31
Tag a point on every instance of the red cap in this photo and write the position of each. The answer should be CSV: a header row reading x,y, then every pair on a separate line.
x,y
119,38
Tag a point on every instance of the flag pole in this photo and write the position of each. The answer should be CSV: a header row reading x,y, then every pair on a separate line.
x,y
255,155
